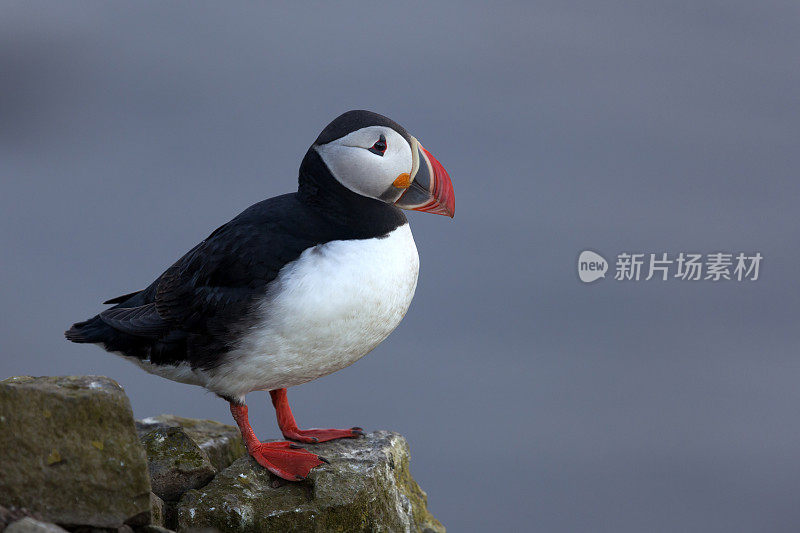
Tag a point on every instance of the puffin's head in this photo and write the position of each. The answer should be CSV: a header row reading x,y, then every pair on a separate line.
x,y
374,156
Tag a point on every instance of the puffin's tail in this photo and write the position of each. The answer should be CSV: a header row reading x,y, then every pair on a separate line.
x,y
95,330
89,331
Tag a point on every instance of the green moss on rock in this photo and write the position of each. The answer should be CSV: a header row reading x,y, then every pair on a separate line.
x,y
222,443
70,451
157,517
176,463
366,487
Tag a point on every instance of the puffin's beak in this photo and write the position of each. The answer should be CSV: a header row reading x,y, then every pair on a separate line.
x,y
430,189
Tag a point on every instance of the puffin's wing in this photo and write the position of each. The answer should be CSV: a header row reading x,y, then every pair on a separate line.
x,y
142,321
216,283
227,273
120,299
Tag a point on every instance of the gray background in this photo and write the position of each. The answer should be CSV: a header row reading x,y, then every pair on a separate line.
x,y
531,401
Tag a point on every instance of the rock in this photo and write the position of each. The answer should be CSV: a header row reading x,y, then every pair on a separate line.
x,y
89,529
157,517
154,529
366,487
70,451
176,463
222,443
30,525
71,455
7,516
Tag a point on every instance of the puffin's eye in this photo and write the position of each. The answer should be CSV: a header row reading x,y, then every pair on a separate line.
x,y
379,147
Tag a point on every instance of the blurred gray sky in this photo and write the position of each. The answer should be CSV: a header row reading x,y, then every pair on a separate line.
x,y
129,131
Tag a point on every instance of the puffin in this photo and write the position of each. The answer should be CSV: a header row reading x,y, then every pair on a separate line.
x,y
293,288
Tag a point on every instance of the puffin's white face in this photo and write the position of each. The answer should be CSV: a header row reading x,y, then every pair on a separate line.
x,y
375,161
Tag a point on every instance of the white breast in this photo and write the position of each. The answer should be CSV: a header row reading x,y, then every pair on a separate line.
x,y
325,311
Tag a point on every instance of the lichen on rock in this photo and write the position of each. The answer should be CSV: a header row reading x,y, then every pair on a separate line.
x,y
176,463
366,487
71,455
157,511
222,443
70,451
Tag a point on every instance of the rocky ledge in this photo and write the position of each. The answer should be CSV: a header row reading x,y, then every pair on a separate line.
x,y
74,459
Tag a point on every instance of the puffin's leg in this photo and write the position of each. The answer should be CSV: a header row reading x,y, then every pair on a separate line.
x,y
283,459
292,432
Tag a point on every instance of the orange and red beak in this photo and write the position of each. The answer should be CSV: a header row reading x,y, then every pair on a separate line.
x,y
430,190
